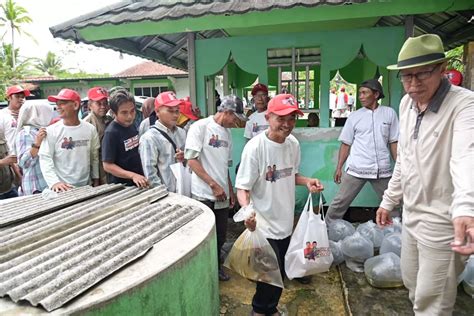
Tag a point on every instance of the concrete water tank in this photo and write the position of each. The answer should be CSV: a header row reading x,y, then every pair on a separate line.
x,y
176,276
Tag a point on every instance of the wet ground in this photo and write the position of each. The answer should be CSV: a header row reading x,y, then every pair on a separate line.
x,y
337,292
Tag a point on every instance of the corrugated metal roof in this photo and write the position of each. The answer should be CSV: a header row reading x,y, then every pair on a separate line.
x,y
76,252
169,49
455,28
152,10
35,205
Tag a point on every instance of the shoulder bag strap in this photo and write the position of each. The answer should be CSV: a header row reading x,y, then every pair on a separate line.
x,y
166,136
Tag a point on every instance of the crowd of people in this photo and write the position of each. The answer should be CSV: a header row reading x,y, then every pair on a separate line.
x,y
432,144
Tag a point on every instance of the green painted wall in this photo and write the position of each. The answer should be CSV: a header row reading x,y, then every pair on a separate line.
x,y
137,82
338,49
189,287
318,159
89,83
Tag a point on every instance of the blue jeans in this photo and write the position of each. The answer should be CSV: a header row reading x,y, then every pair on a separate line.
x,y
10,194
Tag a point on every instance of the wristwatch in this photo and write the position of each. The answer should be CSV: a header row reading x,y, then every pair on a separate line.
x,y
35,146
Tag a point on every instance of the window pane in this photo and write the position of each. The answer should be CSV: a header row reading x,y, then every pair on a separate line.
x,y
155,91
147,92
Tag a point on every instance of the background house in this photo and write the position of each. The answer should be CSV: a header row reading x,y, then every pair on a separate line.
x,y
145,79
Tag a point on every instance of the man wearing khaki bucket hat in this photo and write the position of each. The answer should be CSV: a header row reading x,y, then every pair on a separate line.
x,y
434,177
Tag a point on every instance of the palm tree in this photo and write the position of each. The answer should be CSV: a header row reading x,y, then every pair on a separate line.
x,y
14,16
51,65
8,74
456,61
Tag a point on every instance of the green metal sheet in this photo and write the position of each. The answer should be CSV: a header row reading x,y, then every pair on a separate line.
x,y
256,21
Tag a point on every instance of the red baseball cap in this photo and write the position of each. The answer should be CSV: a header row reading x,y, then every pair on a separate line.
x,y
65,94
167,98
186,108
259,87
97,94
283,104
454,76
17,89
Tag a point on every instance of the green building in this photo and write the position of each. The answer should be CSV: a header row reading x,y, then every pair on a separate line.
x,y
298,44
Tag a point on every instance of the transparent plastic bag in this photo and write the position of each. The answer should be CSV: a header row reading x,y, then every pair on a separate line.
x,y
392,243
336,252
396,227
384,271
339,229
244,213
356,250
468,280
370,231
253,258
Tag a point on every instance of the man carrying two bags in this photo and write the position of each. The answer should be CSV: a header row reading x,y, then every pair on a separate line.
x,y
273,201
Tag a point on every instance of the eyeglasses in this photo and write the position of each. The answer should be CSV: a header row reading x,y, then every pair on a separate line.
x,y
422,75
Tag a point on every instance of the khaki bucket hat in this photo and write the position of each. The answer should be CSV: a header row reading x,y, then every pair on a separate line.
x,y
420,51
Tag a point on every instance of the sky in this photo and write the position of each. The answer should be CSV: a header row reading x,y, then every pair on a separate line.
x,y
89,58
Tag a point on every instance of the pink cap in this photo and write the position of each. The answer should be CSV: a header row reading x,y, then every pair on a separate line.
x,y
97,94
65,94
283,104
167,98
17,89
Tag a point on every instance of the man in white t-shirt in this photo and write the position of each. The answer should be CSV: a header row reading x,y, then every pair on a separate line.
x,y
268,174
332,101
208,150
16,96
257,122
350,102
341,103
69,155
368,139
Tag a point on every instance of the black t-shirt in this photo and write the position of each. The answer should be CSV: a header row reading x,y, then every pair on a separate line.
x,y
120,146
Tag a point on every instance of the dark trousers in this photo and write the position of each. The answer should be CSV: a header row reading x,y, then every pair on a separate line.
x,y
221,216
10,194
265,300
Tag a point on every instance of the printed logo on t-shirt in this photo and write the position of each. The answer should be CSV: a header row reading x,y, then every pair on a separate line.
x,y
215,142
258,128
311,252
273,174
14,124
131,143
69,143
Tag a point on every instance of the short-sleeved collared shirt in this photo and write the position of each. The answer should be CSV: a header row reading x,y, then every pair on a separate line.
x,y
369,134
